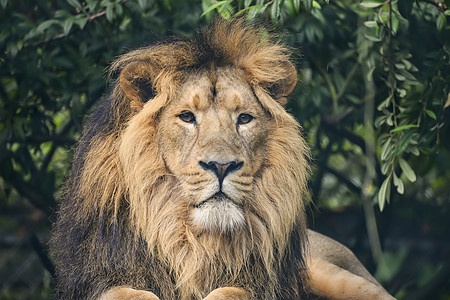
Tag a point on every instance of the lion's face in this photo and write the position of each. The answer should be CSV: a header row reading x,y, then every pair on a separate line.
x,y
212,139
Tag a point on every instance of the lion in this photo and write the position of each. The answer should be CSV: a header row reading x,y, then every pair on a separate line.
x,y
190,180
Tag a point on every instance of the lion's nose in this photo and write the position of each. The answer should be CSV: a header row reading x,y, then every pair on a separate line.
x,y
221,170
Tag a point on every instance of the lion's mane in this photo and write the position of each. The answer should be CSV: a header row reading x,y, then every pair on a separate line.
x,y
120,220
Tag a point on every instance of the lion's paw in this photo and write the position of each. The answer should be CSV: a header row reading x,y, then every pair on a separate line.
x,y
229,293
125,293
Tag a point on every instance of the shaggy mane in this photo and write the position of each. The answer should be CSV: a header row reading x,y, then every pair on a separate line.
x,y
118,171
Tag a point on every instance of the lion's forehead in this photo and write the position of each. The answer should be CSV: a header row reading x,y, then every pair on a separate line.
x,y
223,89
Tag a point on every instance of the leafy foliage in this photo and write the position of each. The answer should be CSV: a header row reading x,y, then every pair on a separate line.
x,y
374,98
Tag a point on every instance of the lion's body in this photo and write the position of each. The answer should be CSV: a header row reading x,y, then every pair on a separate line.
x,y
191,177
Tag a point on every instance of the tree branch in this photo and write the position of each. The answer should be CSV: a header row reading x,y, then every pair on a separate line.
x,y
34,195
347,81
57,139
353,138
42,254
341,177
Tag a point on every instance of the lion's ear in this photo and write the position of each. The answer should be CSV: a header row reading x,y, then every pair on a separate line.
x,y
281,88
136,83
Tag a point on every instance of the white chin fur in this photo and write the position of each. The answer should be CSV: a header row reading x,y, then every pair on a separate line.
x,y
223,216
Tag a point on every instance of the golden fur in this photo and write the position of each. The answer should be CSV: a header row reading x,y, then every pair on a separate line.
x,y
127,165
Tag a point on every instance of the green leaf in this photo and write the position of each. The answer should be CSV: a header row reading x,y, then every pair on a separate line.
x,y
431,114
389,120
372,38
67,25
125,22
400,77
441,21
398,183
401,92
380,121
213,7
385,150
275,11
254,11
30,34
227,10
403,127
370,24
45,25
91,5
316,4
62,14
394,24
296,4
407,170
74,3
369,74
118,8
384,193
405,141
142,4
3,3
370,4
414,150
250,8
247,3
386,167
408,64
81,21
109,13
206,4
385,103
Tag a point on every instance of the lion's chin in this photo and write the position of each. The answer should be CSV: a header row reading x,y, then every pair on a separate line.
x,y
218,215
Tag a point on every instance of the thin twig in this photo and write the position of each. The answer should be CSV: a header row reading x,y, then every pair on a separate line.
x,y
347,81
35,196
341,177
42,254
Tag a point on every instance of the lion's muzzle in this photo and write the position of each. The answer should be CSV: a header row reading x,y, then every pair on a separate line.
x,y
221,169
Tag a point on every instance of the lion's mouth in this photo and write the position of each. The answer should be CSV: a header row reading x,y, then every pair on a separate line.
x,y
217,197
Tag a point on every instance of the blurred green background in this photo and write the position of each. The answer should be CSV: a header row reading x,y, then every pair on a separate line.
x,y
373,98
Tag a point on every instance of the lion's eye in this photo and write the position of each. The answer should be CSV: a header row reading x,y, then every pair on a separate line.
x,y
187,116
244,119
